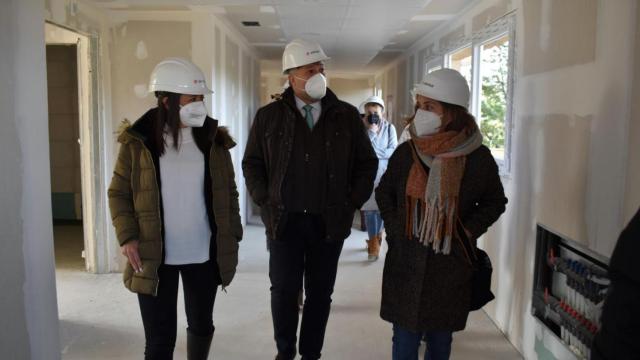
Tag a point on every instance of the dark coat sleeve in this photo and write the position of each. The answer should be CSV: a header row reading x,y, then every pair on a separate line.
x,y
620,331
254,166
235,221
492,202
365,163
387,199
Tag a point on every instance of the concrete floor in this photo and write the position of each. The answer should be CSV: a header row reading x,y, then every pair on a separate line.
x,y
99,318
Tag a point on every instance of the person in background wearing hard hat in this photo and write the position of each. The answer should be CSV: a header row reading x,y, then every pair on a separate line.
x,y
441,189
384,140
308,165
173,173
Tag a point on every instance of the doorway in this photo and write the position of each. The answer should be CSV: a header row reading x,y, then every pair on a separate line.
x,y
77,148
65,155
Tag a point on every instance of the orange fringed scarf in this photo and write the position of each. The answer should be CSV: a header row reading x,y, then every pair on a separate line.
x,y
432,199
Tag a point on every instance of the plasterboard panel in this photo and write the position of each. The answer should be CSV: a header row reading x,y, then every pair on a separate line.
x,y
552,42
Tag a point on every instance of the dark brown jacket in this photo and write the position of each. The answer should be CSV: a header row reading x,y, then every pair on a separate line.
x,y
421,290
351,163
135,200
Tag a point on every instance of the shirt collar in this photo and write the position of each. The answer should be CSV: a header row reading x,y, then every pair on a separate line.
x,y
300,104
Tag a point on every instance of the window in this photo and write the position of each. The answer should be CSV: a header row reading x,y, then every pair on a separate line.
x,y
486,61
461,60
434,69
433,65
494,85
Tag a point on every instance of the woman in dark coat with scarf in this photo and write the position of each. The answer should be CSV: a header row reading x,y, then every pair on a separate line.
x,y
441,188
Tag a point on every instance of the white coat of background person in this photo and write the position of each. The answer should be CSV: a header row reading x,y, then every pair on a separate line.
x,y
384,140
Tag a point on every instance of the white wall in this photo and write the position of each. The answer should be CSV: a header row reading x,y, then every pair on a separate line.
x,y
270,84
353,91
28,310
575,138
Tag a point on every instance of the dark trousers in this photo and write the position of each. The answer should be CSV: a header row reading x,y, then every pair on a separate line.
x,y
302,251
159,313
406,344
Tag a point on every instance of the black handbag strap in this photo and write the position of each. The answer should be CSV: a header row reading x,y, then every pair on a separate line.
x,y
466,243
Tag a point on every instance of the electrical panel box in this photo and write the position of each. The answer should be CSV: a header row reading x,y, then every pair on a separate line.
x,y
570,285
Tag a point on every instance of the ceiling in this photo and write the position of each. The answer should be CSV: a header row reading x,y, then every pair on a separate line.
x,y
360,36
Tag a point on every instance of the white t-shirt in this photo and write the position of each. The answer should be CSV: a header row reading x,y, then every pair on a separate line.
x,y
186,223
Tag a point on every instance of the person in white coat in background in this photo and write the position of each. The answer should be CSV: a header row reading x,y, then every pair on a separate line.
x,y
384,140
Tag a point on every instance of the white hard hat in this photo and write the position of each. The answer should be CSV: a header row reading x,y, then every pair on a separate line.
x,y
375,99
178,75
444,85
301,52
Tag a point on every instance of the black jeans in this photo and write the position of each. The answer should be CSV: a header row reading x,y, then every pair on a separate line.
x,y
159,313
302,251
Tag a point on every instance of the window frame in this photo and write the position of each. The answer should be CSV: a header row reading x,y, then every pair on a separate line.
x,y
495,30
433,62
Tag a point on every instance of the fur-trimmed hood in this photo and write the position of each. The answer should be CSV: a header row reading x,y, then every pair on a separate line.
x,y
142,128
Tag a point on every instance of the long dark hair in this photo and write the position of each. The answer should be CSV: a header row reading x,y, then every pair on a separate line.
x,y
168,121
458,116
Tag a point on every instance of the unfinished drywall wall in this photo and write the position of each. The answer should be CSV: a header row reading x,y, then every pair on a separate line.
x,y
558,34
489,15
232,85
14,337
28,307
218,73
270,84
563,159
353,91
130,71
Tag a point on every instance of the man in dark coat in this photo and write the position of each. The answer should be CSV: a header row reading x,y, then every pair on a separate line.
x,y
308,165
619,335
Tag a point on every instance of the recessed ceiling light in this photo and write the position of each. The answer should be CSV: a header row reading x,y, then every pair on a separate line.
x,y
267,9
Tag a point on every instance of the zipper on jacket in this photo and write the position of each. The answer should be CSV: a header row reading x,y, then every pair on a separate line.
x,y
155,178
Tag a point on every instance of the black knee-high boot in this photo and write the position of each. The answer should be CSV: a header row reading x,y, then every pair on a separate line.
x,y
198,346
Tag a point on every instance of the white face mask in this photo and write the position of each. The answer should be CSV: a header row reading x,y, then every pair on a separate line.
x,y
193,114
426,122
316,86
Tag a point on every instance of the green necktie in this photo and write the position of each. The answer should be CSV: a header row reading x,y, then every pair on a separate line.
x,y
308,115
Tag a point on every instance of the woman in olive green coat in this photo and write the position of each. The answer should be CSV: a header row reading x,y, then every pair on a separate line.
x,y
174,206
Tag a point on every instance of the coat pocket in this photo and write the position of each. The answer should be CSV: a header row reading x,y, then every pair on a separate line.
x,y
338,219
